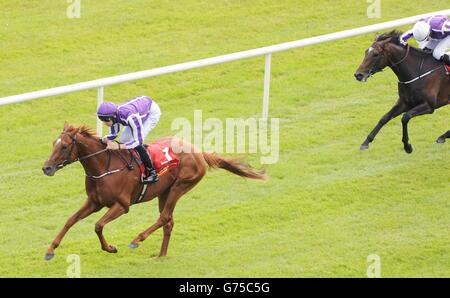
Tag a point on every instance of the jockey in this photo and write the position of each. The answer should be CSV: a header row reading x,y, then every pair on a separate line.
x,y
432,33
139,116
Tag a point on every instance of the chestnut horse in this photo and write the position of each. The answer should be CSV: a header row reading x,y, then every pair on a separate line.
x,y
113,181
423,86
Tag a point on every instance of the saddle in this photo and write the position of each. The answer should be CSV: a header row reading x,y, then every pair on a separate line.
x,y
162,156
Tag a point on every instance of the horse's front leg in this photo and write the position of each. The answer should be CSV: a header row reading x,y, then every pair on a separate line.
x,y
442,138
396,110
167,204
87,209
417,111
114,212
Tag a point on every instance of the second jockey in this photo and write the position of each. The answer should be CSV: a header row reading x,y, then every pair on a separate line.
x,y
139,116
432,33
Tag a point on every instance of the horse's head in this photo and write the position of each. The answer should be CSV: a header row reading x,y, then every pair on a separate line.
x,y
64,151
377,56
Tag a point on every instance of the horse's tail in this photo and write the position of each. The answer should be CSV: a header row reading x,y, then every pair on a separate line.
x,y
234,165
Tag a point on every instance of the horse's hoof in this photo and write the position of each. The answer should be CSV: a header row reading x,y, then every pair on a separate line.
x,y
112,249
133,245
364,147
440,141
49,256
408,149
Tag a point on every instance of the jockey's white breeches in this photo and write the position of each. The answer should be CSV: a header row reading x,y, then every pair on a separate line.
x,y
439,47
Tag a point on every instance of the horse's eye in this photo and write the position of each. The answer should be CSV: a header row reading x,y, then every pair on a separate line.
x,y
63,147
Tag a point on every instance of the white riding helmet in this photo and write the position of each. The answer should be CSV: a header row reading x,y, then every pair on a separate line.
x,y
421,31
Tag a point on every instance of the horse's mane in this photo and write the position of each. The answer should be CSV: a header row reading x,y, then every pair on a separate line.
x,y
394,35
84,130
87,132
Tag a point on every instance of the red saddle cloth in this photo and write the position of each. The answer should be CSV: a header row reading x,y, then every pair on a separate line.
x,y
448,68
162,156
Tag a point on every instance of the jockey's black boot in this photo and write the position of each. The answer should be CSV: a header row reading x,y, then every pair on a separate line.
x,y
446,59
151,176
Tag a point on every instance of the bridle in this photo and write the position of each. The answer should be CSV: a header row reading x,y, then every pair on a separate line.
x,y
69,160
392,64
395,64
408,48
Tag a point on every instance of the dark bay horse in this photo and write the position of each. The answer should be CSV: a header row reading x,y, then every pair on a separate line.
x,y
423,84
113,181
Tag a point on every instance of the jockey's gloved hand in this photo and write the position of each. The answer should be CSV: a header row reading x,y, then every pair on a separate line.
x,y
105,140
402,41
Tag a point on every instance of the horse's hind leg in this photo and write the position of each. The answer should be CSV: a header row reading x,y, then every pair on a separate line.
x,y
442,138
87,209
114,212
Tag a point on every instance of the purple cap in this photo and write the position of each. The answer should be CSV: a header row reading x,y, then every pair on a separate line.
x,y
107,109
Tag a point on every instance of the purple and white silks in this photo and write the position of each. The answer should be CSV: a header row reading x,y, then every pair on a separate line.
x,y
440,28
132,113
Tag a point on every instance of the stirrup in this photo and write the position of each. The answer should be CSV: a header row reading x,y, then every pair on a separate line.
x,y
446,60
150,179
447,69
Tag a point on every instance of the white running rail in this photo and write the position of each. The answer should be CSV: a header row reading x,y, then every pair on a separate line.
x,y
267,51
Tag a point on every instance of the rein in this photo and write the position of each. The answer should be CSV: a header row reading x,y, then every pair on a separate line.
x,y
401,60
128,166
421,76
416,78
68,160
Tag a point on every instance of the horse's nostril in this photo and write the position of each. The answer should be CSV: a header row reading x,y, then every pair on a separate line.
x,y
46,170
359,76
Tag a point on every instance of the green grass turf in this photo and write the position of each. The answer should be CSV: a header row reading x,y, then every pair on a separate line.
x,y
326,206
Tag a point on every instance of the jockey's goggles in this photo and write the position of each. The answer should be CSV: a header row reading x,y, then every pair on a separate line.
x,y
106,118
